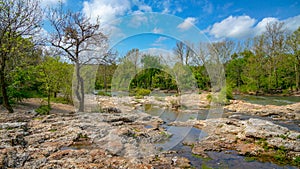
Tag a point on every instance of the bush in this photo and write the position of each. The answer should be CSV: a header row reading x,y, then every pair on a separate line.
x,y
141,92
43,110
209,97
102,93
223,96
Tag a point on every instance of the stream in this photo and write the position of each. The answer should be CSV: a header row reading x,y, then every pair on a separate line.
x,y
226,159
272,100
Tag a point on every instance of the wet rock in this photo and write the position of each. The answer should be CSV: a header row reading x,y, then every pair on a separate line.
x,y
224,134
276,112
111,110
262,129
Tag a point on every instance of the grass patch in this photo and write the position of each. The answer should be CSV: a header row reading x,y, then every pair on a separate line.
x,y
283,136
102,93
43,110
53,130
165,134
138,97
204,166
249,159
140,92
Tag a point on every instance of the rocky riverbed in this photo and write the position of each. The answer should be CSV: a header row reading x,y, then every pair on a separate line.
x,y
117,132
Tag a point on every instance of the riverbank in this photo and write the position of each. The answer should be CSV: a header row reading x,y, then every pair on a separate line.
x,y
128,132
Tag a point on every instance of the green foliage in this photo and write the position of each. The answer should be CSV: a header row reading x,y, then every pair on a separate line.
x,y
43,110
296,161
283,136
141,92
53,130
62,100
204,166
250,159
102,93
55,76
209,97
221,97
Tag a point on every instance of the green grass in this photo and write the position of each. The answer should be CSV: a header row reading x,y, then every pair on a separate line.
x,y
283,136
43,110
204,166
102,93
249,159
53,130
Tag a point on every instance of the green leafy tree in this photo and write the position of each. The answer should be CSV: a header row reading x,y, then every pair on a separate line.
x,y
55,76
294,45
18,18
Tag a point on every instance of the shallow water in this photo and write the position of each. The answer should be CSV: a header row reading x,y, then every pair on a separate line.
x,y
227,159
271,100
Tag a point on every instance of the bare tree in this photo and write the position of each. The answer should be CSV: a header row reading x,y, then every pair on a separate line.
x,y
223,50
183,52
80,39
275,45
19,19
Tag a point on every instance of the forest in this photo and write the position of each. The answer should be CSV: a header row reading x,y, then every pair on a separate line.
x,y
33,66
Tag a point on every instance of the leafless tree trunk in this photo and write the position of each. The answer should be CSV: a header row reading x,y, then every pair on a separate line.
x,y
81,40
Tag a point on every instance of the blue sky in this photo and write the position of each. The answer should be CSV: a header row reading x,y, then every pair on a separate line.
x,y
148,24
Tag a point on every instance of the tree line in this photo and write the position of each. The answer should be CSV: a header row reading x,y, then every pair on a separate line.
x,y
32,66
266,64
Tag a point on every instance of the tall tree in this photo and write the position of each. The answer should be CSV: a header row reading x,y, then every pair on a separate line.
x,y
18,18
294,44
81,40
183,52
51,72
275,46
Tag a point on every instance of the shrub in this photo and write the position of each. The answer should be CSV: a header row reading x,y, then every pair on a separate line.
x,y
43,110
102,93
141,92
209,97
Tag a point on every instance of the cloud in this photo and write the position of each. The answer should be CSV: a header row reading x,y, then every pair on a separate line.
x,y
157,30
107,10
161,39
245,26
292,23
261,26
145,8
159,42
187,23
233,27
138,19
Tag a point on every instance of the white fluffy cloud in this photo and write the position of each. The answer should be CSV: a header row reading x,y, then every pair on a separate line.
x,y
261,26
107,10
292,23
234,27
187,23
245,26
